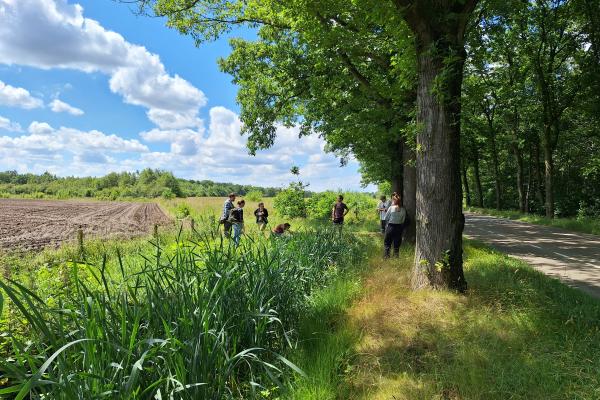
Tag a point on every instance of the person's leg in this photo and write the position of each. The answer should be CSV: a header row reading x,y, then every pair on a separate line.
x,y
397,240
387,241
383,224
227,229
237,233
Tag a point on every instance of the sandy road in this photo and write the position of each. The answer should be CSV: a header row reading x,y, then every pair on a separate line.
x,y
574,258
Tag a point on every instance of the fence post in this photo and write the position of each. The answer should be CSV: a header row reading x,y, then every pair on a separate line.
x,y
156,231
80,240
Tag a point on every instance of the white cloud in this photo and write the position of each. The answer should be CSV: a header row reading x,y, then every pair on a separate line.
x,y
58,106
64,38
15,96
8,125
40,128
42,138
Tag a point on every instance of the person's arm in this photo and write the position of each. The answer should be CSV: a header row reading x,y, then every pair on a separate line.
x,y
387,214
346,210
266,213
333,212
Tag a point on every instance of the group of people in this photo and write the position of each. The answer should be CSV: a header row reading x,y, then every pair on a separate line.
x,y
393,220
392,216
232,218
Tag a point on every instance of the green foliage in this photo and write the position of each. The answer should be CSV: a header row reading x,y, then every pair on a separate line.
x,y
148,183
254,195
187,318
319,205
291,202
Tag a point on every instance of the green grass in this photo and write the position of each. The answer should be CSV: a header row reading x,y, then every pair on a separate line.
x,y
517,334
583,225
190,318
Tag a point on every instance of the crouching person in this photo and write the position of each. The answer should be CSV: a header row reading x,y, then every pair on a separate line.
x,y
280,229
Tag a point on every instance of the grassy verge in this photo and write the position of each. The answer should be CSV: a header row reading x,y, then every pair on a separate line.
x,y
517,334
326,338
584,225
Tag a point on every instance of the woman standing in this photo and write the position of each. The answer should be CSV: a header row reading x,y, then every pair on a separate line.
x,y
236,218
262,216
394,217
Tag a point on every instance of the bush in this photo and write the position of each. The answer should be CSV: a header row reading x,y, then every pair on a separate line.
x,y
290,202
167,194
320,204
182,211
254,195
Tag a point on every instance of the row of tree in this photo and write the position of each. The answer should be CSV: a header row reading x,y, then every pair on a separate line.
x,y
382,81
148,183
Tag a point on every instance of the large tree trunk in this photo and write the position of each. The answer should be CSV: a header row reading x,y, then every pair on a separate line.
x,y
520,177
548,173
440,221
478,180
409,195
465,180
397,167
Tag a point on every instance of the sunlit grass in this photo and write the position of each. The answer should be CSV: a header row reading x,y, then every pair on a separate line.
x,y
517,334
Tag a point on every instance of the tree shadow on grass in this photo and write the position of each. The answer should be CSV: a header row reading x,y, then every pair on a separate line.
x,y
517,334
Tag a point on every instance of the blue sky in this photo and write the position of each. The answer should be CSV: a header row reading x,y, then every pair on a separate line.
x,y
88,87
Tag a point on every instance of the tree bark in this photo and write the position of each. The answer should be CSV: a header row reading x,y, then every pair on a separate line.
x,y
520,177
548,173
397,167
480,203
496,166
439,220
538,175
409,195
465,180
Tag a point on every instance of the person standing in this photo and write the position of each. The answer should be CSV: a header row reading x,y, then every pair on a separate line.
x,y
382,208
236,219
338,212
395,217
262,216
228,206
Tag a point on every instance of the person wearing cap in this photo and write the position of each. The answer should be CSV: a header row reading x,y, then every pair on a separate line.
x,y
228,206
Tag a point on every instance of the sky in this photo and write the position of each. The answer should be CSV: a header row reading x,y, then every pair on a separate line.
x,y
88,87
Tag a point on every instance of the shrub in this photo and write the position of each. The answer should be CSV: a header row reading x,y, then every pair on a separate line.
x,y
254,195
290,202
319,205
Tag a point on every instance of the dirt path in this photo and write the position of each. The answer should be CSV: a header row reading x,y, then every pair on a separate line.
x,y
35,224
571,257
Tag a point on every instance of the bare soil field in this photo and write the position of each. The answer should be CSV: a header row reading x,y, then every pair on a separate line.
x,y
35,224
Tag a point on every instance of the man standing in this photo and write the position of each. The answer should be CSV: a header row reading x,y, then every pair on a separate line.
x,y
382,207
227,207
338,212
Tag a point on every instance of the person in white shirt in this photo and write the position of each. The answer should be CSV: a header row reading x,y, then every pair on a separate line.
x,y
394,217
382,208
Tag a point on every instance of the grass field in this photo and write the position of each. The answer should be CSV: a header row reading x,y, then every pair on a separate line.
x,y
583,225
304,318
517,334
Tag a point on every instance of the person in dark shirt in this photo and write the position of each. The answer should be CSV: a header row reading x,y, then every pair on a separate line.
x,y
281,229
262,216
338,212
236,218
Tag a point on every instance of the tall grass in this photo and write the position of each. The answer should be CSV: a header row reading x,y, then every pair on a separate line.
x,y
195,319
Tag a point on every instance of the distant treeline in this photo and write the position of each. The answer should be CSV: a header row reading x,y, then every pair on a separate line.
x,y
148,183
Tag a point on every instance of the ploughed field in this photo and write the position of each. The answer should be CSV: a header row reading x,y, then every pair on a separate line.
x,y
34,224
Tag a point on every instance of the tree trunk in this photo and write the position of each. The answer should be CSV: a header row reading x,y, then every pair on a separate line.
x,y
548,173
409,195
538,175
465,180
440,221
397,167
520,177
480,203
496,166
